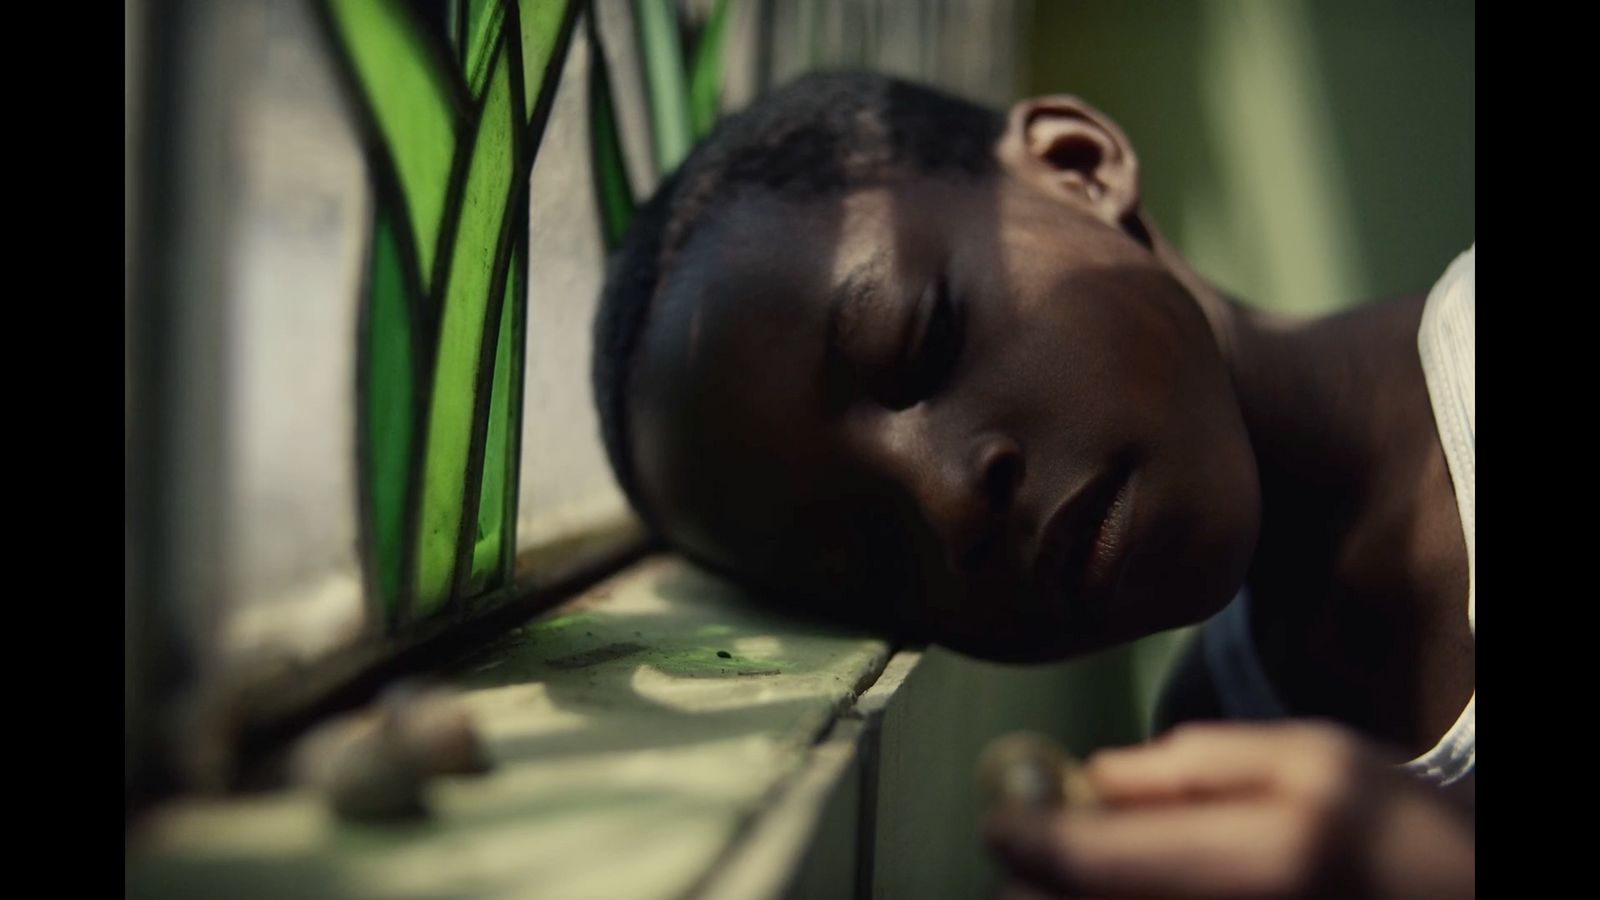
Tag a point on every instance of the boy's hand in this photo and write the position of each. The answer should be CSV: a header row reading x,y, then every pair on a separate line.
x,y
1230,810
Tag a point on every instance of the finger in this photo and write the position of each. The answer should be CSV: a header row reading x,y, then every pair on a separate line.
x,y
1211,759
1200,850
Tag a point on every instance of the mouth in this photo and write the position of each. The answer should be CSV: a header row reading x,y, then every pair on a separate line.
x,y
1081,547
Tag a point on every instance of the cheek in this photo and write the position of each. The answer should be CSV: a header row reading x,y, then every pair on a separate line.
x,y
1101,377
1203,516
1160,390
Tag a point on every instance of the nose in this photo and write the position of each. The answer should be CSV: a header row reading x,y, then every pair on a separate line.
x,y
997,472
984,498
965,490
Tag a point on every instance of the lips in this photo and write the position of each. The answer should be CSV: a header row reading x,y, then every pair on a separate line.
x,y
1079,548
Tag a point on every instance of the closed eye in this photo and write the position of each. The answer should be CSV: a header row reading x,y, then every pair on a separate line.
x,y
934,348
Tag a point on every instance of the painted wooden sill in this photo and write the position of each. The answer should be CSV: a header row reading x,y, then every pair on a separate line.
x,y
637,733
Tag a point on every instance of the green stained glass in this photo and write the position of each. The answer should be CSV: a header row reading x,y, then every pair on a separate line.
x,y
484,207
612,191
410,103
388,407
541,26
664,76
495,505
705,78
484,20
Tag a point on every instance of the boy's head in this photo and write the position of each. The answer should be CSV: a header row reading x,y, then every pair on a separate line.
x,y
899,359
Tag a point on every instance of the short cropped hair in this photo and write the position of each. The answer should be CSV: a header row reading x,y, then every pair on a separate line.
x,y
821,135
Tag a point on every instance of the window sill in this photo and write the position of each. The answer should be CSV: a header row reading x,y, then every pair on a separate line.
x,y
630,755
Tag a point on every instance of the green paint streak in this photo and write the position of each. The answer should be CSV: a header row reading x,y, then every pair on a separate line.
x,y
704,661
612,191
494,505
705,80
541,23
484,207
485,21
406,94
670,127
388,405
562,623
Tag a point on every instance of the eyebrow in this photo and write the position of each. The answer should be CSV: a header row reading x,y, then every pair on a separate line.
x,y
863,284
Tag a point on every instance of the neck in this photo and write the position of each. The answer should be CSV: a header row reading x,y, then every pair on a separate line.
x,y
1359,580
1336,407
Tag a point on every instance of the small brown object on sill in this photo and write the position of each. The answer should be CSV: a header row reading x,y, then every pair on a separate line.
x,y
435,729
373,764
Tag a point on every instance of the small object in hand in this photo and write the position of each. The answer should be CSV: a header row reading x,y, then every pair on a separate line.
x,y
1025,769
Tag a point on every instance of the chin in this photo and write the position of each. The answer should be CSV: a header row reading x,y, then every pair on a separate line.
x,y
1193,557
1186,588
1169,591
1004,650
1183,576
1026,642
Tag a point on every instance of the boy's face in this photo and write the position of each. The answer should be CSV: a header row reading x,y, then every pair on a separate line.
x,y
966,403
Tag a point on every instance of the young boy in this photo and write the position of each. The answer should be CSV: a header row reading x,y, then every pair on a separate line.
x,y
902,361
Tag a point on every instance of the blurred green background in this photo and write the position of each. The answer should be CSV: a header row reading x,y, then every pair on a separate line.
x,y
1307,156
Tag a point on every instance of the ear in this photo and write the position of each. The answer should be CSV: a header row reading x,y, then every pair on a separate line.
x,y
1073,152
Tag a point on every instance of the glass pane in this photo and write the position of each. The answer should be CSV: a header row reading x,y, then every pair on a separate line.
x,y
410,103
389,400
296,251
474,253
541,25
485,18
743,61
497,496
566,484
660,47
614,26
612,190
705,80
